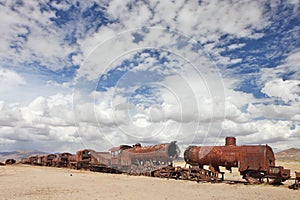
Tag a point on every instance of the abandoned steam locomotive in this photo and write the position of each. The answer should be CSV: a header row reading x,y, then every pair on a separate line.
x,y
130,159
254,162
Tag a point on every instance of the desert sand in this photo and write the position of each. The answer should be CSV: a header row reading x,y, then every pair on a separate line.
x,y
34,182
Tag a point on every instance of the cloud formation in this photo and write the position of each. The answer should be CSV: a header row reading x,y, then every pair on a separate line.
x,y
99,74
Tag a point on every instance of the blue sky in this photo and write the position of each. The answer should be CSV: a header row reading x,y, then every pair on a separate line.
x,y
97,74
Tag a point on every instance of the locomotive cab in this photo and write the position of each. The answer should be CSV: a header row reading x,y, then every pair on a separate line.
x,y
257,157
83,158
116,154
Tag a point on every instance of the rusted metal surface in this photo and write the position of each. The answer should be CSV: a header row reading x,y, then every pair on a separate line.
x,y
230,141
227,156
254,162
101,162
278,174
84,155
25,161
40,159
84,158
192,174
248,157
297,175
55,162
296,185
62,160
139,159
47,159
72,162
134,159
101,158
33,160
10,161
72,158
168,151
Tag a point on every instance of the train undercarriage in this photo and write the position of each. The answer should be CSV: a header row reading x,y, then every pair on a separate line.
x,y
194,173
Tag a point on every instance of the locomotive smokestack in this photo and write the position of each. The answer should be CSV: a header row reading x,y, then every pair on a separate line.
x,y
173,150
230,141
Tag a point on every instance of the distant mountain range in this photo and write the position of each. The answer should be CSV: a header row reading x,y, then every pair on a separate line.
x,y
18,155
292,154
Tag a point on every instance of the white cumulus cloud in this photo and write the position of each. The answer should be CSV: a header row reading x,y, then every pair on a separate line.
x,y
287,90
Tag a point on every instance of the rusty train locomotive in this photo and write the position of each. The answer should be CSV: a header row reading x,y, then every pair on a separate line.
x,y
130,159
254,162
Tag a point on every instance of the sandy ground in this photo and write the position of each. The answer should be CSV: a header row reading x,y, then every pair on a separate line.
x,y
33,182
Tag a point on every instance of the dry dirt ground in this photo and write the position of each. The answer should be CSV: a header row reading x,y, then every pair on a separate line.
x,y
33,182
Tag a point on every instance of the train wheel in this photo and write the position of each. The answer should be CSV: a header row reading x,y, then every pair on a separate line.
x,y
148,168
297,186
185,175
79,166
134,170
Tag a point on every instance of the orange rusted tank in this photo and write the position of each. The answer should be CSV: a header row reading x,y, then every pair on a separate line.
x,y
252,160
247,157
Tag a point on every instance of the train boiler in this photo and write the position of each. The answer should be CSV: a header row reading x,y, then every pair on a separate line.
x,y
254,162
137,159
